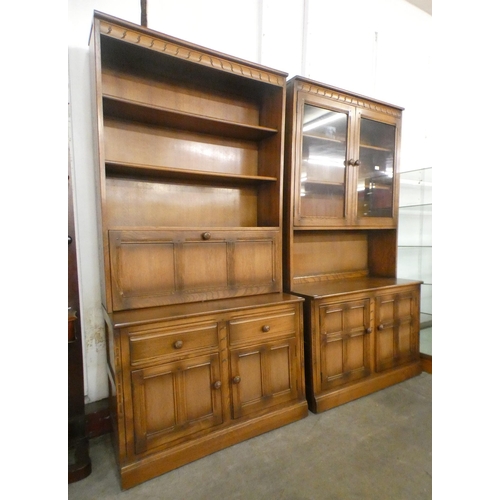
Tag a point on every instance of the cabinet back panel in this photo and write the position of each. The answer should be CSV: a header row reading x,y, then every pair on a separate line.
x,y
328,253
146,203
134,143
244,96
322,205
179,97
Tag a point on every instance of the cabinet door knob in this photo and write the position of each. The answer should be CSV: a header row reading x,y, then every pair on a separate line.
x,y
218,384
206,236
357,163
380,327
351,162
178,344
369,330
266,328
237,379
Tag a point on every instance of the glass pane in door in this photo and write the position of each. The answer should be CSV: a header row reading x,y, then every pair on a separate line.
x,y
322,171
376,169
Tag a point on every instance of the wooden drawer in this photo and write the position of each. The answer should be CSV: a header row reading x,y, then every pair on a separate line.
x,y
263,327
162,343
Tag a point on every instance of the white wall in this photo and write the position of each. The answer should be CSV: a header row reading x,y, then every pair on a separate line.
x,y
379,48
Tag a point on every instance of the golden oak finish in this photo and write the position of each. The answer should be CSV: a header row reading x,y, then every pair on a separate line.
x,y
341,196
182,372
203,348
187,138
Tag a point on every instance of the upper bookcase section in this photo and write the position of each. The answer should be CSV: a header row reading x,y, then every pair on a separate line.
x,y
189,152
143,69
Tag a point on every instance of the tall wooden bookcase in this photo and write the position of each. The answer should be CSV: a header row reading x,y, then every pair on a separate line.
x,y
204,348
340,243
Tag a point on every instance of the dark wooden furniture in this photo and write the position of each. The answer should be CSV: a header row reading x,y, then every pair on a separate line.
x,y
79,463
204,348
340,243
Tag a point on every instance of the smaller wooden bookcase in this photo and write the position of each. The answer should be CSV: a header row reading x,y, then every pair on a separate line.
x,y
340,243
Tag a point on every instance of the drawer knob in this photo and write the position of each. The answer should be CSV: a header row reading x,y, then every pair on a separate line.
x,y
178,344
380,327
218,384
266,328
206,236
237,379
369,330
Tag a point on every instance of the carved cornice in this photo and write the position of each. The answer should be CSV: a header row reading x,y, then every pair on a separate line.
x,y
346,98
172,48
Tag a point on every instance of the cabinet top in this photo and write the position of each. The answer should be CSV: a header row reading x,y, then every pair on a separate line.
x,y
144,316
154,40
307,85
319,290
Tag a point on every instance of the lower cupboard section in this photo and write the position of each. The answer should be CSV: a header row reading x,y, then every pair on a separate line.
x,y
190,382
359,343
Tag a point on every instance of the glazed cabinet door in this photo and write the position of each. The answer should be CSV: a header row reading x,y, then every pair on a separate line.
x,y
397,329
175,400
322,179
375,169
345,153
345,334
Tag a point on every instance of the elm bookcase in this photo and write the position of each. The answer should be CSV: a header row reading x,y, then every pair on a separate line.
x,y
204,349
340,243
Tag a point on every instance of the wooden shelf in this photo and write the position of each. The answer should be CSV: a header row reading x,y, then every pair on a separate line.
x,y
324,138
376,148
124,169
130,110
318,182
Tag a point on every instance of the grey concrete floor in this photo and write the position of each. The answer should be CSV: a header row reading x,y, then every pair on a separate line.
x,y
375,448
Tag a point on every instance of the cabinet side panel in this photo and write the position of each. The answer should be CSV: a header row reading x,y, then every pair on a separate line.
x,y
382,252
99,169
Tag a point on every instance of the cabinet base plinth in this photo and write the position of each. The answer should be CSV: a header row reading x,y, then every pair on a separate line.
x,y
327,400
175,457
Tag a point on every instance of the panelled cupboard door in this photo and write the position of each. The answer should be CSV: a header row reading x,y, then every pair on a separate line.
x,y
344,342
345,157
175,400
396,332
262,376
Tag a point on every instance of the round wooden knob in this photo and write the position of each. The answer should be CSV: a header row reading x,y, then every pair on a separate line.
x,y
237,379
351,162
369,330
178,344
218,384
266,328
206,236
380,327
